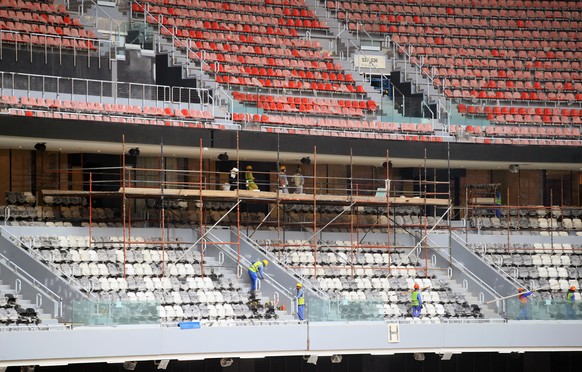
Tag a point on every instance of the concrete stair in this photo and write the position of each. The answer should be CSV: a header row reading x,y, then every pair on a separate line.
x,y
46,319
262,312
191,69
457,288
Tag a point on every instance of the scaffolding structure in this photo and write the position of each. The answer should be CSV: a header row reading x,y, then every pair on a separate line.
x,y
348,204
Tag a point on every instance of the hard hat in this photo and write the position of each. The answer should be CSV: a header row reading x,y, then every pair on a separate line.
x,y
299,285
234,170
283,167
572,288
265,262
249,167
416,286
521,289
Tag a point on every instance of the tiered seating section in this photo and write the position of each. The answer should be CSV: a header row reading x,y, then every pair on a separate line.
x,y
500,53
308,105
119,113
313,126
369,273
43,23
258,46
541,125
521,115
494,50
531,220
552,267
22,210
185,215
170,276
69,211
372,219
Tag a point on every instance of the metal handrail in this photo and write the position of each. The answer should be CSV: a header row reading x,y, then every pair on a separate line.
x,y
246,263
161,26
54,297
60,47
38,257
499,269
474,277
102,85
306,281
81,9
426,236
412,60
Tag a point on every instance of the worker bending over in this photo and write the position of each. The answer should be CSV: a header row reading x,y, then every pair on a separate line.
x,y
256,273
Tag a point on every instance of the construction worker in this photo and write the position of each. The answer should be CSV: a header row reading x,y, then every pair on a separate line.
x,y
299,181
300,296
523,295
233,179
250,179
416,301
283,183
570,300
256,273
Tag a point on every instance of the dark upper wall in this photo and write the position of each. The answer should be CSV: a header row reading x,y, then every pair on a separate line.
x,y
252,140
65,64
136,68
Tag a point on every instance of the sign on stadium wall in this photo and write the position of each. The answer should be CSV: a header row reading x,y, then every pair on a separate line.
x,y
372,61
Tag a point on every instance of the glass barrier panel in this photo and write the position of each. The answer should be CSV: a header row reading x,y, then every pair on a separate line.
x,y
319,310
115,313
543,309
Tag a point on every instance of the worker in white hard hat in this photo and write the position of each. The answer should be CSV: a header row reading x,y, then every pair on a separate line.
x,y
233,179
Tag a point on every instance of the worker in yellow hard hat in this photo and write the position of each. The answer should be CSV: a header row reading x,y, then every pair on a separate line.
x,y
250,179
300,296
256,273
570,300
282,181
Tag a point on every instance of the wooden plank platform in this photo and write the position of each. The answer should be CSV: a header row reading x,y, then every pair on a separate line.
x,y
258,196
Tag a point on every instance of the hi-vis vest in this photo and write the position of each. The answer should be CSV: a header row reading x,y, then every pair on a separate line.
x,y
414,301
570,297
301,299
255,267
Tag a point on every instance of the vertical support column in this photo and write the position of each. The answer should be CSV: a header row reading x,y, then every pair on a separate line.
x,y
551,219
278,194
315,211
450,202
90,209
201,222
129,212
163,212
237,200
123,203
508,224
351,198
425,185
388,176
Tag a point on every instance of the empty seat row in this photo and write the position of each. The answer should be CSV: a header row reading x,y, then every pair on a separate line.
x,y
45,39
99,107
361,125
